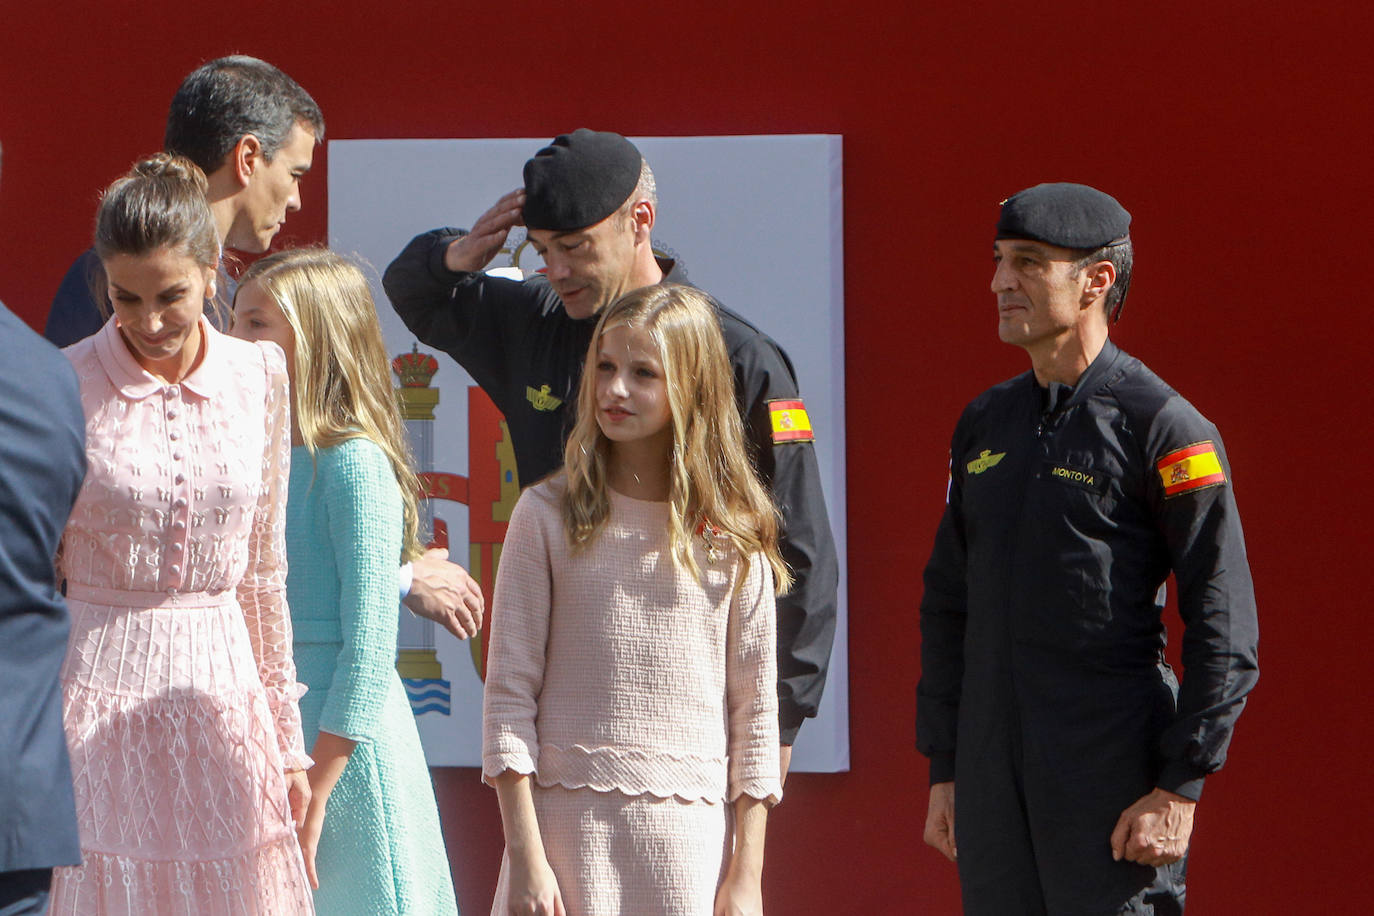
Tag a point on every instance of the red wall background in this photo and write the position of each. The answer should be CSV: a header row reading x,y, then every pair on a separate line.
x,y
1238,134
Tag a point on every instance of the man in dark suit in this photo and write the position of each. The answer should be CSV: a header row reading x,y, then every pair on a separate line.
x,y
42,463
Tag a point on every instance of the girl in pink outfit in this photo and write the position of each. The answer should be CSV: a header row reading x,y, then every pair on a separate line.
x,y
179,693
630,710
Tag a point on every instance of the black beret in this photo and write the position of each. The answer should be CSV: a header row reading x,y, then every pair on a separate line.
x,y
579,180
1063,214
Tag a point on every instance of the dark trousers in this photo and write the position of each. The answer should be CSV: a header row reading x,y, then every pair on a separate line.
x,y
1038,791
25,893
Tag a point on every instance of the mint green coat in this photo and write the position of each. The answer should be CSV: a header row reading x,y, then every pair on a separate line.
x,y
381,850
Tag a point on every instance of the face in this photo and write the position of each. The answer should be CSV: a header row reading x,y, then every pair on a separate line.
x,y
258,317
631,391
589,268
273,191
158,299
1038,297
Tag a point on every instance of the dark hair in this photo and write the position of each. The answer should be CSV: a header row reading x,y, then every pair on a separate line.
x,y
220,102
159,204
1122,257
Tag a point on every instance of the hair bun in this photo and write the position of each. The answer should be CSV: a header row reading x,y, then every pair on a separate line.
x,y
170,165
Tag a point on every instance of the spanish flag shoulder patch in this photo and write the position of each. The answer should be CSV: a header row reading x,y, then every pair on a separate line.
x,y
1192,467
790,422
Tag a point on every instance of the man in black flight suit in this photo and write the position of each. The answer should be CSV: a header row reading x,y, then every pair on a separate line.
x,y
589,205
1075,489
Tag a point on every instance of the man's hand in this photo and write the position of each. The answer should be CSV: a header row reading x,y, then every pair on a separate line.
x,y
940,820
475,250
444,593
1155,830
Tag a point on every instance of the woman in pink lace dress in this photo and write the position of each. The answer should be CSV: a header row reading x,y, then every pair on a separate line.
x,y
179,693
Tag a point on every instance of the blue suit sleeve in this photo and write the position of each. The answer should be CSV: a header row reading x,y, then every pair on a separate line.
x,y
75,314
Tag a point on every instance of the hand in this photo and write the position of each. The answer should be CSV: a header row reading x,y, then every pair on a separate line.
x,y
1155,830
533,887
298,794
444,593
785,761
940,820
476,249
739,895
308,834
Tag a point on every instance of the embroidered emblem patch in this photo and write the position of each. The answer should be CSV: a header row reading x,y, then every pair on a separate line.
x,y
790,422
986,459
541,399
1191,468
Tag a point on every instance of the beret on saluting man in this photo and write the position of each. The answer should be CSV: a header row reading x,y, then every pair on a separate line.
x,y
1064,214
579,180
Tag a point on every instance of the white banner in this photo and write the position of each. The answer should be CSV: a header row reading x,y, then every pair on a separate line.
x,y
755,221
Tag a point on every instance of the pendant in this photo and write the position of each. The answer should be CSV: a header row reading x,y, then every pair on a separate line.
x,y
709,534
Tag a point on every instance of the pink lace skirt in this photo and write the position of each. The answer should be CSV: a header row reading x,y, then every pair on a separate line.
x,y
180,795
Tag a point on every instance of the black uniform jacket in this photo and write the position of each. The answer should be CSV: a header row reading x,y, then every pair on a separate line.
x,y
42,464
517,342
1041,604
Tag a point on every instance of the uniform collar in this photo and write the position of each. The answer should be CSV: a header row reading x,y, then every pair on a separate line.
x,y
1059,397
135,383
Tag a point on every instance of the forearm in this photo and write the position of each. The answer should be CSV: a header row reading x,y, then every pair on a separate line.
x,y
1220,644
418,289
331,753
751,823
518,820
943,620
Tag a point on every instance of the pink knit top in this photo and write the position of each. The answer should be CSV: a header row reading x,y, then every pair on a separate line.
x,y
614,669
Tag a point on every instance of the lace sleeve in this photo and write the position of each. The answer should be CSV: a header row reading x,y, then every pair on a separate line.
x,y
262,593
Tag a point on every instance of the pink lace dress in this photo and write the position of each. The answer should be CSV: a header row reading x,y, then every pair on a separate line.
x,y
179,692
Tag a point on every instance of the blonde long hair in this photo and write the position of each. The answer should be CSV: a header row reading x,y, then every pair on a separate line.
x,y
711,480
343,377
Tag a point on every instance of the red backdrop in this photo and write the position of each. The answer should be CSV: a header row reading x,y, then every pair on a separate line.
x,y
1237,136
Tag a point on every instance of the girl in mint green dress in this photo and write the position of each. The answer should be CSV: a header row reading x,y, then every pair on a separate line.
x,y
371,838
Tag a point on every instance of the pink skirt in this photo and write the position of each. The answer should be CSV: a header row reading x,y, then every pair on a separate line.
x,y
180,795
614,853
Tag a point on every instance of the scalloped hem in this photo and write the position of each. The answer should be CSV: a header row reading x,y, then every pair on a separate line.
x,y
630,771
764,792
268,880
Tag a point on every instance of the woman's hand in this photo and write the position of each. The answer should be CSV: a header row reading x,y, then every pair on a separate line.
x,y
739,895
298,795
533,887
309,836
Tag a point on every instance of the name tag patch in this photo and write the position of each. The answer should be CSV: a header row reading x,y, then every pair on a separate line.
x,y
1083,478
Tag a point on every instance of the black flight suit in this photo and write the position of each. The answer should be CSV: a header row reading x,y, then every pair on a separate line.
x,y
514,339
1043,693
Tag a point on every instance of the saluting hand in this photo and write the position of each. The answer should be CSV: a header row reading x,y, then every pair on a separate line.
x,y
1155,830
475,250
